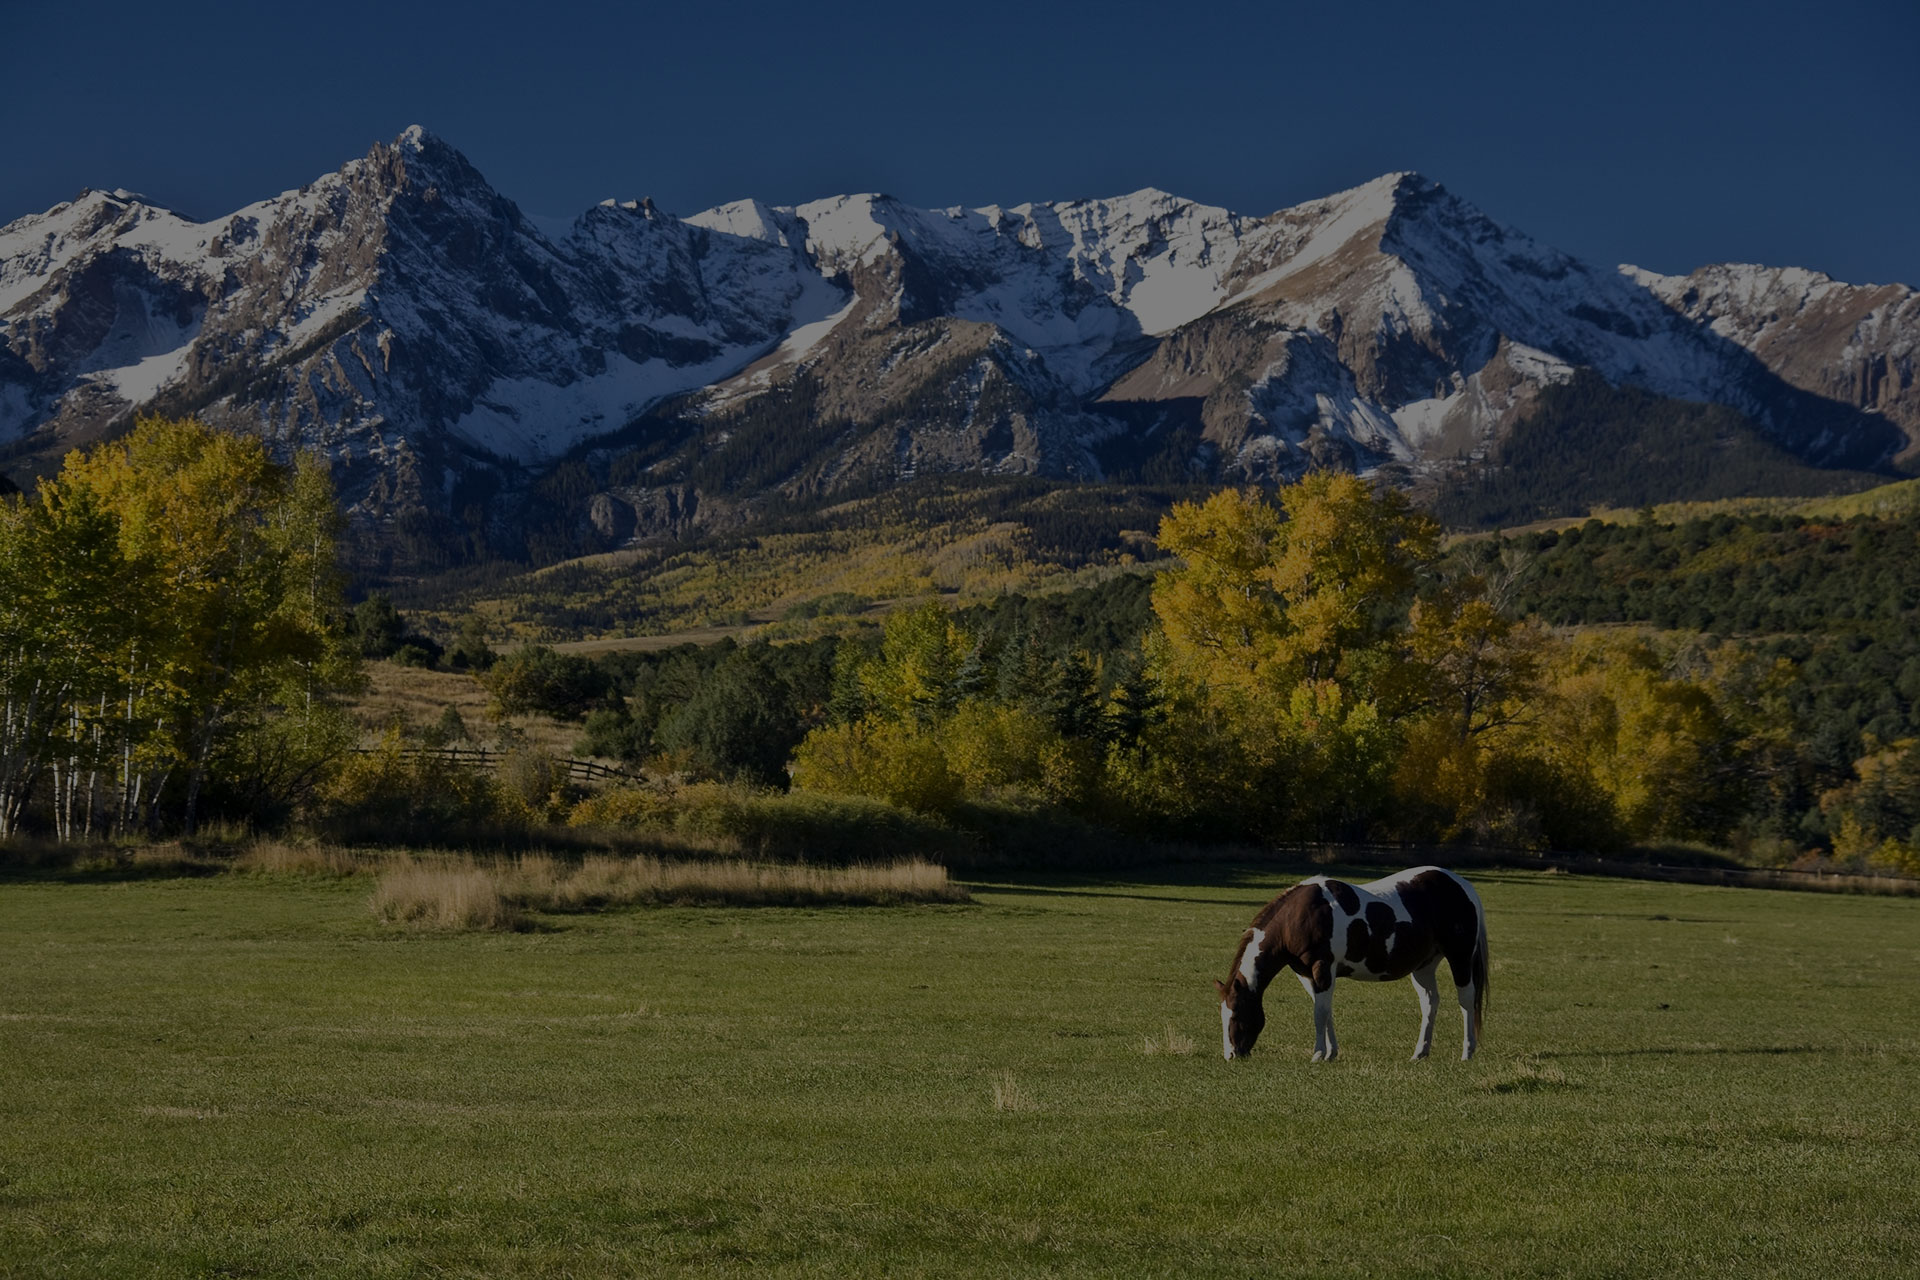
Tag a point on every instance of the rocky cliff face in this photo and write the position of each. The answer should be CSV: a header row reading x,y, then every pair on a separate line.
x,y
1855,346
405,318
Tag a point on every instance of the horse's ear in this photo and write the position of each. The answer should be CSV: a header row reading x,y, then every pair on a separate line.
x,y
1221,987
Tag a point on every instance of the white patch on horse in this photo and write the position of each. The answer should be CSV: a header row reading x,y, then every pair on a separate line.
x,y
1250,958
1226,1036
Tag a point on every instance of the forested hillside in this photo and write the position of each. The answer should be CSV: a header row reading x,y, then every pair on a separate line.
x,y
1748,680
1586,444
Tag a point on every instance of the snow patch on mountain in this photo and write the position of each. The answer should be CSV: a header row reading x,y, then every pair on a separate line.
x,y
528,419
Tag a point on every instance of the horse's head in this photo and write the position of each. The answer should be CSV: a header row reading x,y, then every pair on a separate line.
x,y
1241,1017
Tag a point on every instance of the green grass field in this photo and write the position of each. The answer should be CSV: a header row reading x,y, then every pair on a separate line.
x,y
251,1076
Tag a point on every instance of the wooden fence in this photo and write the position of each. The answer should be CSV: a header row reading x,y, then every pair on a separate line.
x,y
580,772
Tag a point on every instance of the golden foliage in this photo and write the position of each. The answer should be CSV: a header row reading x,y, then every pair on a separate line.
x,y
898,763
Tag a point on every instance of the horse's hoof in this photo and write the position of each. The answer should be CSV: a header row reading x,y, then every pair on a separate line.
x,y
1317,1056
1419,1054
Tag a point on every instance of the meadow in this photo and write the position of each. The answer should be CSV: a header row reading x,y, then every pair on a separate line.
x,y
253,1075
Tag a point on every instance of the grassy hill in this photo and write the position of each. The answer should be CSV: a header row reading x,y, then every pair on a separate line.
x,y
965,538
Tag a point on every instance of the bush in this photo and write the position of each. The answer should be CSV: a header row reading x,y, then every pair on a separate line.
x,y
633,808
533,779
417,652
989,747
893,762
392,795
793,826
739,724
538,679
613,733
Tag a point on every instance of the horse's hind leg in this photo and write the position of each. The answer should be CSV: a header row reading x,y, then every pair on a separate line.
x,y
1466,991
1429,992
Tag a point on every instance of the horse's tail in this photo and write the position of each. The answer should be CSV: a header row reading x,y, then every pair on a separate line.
x,y
1480,967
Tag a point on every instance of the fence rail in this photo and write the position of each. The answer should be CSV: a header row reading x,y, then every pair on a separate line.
x,y
579,771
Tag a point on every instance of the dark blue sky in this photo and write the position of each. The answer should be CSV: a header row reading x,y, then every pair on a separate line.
x,y
1667,134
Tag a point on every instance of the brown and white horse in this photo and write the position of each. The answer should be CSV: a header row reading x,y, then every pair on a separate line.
x,y
1321,929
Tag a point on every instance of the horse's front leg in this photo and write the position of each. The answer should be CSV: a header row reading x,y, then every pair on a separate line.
x,y
1319,985
1429,992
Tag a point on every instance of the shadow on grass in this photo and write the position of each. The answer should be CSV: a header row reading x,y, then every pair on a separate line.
x,y
1689,1051
23,863
1261,878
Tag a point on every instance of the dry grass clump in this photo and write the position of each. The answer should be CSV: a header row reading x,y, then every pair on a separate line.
x,y
548,884
456,895
279,858
1010,1095
460,893
1169,1042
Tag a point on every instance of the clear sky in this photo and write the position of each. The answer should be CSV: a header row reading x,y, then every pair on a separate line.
x,y
1668,134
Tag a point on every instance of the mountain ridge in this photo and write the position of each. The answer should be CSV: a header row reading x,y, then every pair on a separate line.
x,y
444,350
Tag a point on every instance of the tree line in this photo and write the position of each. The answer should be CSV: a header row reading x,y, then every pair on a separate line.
x,y
170,634
1317,666
1312,663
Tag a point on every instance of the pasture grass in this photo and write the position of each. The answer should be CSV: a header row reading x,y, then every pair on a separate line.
x,y
253,1075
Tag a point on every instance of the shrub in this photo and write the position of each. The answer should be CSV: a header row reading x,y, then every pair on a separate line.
x,y
784,826
391,795
635,808
893,762
817,828
536,678
993,747
533,779
739,724
613,733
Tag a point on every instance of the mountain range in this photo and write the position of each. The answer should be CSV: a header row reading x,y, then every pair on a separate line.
x,y
465,365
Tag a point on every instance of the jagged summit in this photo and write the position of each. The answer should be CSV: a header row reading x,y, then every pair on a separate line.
x,y
410,320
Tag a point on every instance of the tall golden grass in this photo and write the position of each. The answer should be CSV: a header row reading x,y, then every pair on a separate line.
x,y
462,893
458,895
546,883
279,858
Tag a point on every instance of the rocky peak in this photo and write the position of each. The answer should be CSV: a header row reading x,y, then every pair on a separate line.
x,y
406,317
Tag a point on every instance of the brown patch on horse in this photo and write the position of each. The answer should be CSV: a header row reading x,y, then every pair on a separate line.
x,y
1299,928
1437,896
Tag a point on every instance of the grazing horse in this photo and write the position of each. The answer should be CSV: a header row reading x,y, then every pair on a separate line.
x,y
1399,927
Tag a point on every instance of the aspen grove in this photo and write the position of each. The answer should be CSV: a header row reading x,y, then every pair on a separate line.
x,y
169,610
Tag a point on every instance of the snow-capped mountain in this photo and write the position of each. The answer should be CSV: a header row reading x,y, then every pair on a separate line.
x,y
443,348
